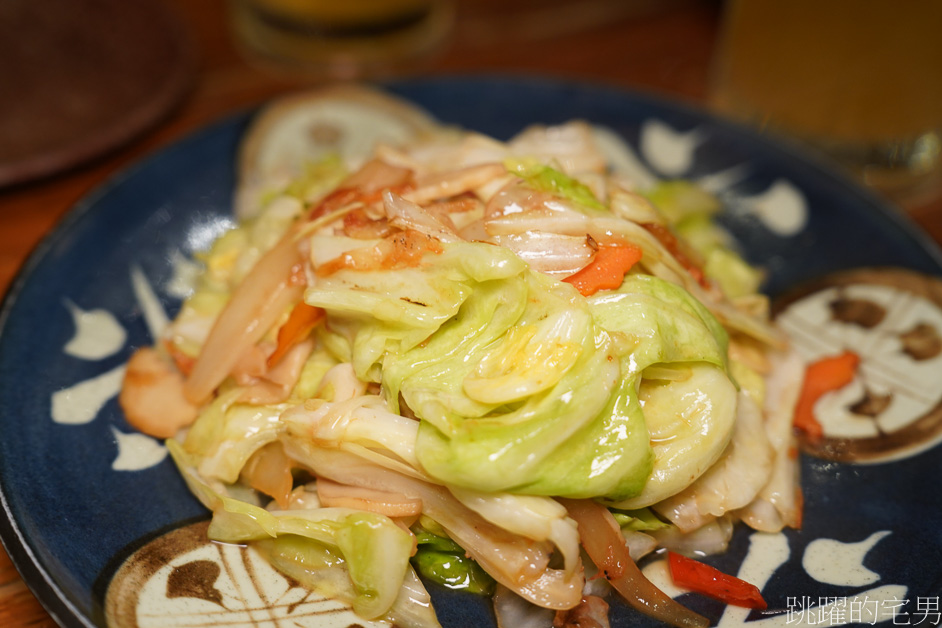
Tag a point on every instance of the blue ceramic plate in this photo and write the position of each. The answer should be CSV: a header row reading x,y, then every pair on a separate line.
x,y
80,491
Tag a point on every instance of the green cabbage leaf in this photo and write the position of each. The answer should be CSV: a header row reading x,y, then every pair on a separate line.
x,y
521,385
375,550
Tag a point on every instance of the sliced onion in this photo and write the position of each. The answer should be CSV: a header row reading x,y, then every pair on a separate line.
x,y
554,589
269,471
454,182
475,232
532,516
360,225
275,385
603,542
563,222
398,157
406,214
376,175
550,253
269,289
450,151
634,207
333,494
515,198
252,364
516,562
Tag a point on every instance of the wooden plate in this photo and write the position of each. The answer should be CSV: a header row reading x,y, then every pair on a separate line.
x,y
81,77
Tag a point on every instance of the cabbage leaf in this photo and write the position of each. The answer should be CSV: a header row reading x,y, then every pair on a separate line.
x,y
375,550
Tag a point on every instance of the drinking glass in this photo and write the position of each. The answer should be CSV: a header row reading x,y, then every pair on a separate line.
x,y
339,39
860,80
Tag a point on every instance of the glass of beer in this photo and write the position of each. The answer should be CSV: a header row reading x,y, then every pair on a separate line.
x,y
339,39
860,80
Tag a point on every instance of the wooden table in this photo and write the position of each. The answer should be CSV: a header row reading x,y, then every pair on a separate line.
x,y
663,48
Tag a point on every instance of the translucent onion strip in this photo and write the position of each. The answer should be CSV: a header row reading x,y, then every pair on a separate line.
x,y
264,295
516,562
551,253
333,494
447,184
603,542
406,214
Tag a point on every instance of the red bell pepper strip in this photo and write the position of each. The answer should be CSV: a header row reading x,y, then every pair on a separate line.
x,y
702,578
605,545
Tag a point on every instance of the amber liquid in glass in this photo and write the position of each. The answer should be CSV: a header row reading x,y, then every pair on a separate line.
x,y
339,39
859,79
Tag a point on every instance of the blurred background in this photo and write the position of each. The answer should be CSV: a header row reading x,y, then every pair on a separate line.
x,y
87,87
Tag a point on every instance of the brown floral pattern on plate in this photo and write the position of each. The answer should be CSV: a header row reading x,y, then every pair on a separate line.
x,y
183,579
892,318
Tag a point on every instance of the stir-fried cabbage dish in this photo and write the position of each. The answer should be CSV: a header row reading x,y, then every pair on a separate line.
x,y
500,367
